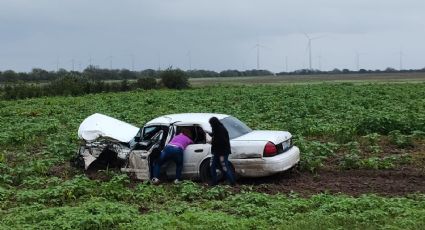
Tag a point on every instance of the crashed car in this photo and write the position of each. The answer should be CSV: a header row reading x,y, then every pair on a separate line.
x,y
108,142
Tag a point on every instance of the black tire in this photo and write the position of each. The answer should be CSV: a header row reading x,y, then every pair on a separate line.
x,y
77,162
205,173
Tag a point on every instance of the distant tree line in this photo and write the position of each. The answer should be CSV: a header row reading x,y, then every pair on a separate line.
x,y
98,74
75,84
92,73
347,71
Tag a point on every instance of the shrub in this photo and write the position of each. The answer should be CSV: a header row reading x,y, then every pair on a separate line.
x,y
174,79
146,83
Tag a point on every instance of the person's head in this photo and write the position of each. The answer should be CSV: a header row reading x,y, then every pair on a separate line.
x,y
214,122
187,133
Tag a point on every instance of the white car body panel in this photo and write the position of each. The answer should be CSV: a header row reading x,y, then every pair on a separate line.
x,y
246,149
99,125
265,135
191,160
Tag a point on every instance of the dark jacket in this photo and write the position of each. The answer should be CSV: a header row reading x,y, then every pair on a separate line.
x,y
220,144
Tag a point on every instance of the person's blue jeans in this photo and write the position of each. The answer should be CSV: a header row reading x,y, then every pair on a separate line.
x,y
223,163
170,153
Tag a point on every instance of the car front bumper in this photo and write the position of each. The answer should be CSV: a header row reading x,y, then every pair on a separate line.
x,y
258,167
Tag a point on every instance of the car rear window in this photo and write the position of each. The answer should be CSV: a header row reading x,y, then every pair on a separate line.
x,y
235,127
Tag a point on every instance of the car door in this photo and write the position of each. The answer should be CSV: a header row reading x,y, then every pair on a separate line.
x,y
194,153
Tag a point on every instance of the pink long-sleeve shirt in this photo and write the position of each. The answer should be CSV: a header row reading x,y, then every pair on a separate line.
x,y
181,141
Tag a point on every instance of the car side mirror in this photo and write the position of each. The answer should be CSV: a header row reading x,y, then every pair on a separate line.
x,y
137,139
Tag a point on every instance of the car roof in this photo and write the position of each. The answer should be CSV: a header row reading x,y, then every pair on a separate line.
x,y
187,118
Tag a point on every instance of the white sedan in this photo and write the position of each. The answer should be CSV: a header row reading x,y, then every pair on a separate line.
x,y
255,153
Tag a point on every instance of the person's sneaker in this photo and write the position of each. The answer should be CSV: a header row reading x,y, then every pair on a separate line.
x,y
155,180
177,181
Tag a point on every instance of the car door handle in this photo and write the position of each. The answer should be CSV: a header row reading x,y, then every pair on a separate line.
x,y
199,150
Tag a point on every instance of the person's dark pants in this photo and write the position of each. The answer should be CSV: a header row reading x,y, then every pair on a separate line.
x,y
223,163
170,153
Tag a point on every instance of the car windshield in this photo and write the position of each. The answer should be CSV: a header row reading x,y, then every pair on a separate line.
x,y
235,127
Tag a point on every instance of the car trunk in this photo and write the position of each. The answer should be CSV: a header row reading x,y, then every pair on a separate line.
x,y
251,145
259,135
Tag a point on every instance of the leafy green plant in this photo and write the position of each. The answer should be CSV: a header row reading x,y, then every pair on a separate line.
x,y
350,161
373,141
314,153
189,191
401,140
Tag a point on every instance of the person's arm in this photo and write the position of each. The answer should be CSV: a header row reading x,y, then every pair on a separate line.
x,y
208,138
211,133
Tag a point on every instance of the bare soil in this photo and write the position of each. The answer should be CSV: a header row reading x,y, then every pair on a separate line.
x,y
397,182
350,182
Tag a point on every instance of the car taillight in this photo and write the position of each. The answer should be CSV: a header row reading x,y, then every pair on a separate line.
x,y
270,150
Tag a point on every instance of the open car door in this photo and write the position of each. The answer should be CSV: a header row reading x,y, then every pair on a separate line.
x,y
148,144
194,153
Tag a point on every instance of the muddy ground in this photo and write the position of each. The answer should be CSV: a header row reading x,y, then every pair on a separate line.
x,y
398,182
350,182
403,180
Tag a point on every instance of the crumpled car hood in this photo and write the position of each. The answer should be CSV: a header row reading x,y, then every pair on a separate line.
x,y
99,125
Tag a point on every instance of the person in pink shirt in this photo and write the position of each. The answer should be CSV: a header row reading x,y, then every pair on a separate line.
x,y
173,151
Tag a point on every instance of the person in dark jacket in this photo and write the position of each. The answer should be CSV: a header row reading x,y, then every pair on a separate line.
x,y
220,149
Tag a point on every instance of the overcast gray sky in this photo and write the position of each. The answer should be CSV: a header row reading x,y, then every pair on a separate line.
x,y
214,35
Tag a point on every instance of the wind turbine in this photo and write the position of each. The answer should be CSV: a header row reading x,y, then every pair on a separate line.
x,y
258,46
309,47
189,57
91,62
159,60
57,64
320,62
72,61
286,63
132,62
110,61
358,60
401,59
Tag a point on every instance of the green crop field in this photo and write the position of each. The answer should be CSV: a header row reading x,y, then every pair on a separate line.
x,y
362,166
313,79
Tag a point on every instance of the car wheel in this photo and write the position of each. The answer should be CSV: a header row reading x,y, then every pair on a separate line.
x,y
205,173
78,162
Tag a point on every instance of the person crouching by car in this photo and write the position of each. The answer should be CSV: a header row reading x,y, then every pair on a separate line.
x,y
220,149
173,151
